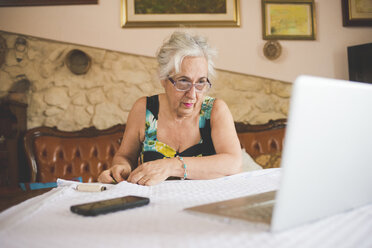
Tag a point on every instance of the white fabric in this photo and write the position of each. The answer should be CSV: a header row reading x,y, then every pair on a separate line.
x,y
46,220
248,164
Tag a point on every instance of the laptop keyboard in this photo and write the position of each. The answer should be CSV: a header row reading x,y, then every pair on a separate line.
x,y
256,208
261,212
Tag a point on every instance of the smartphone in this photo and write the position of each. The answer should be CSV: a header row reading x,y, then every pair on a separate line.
x,y
109,206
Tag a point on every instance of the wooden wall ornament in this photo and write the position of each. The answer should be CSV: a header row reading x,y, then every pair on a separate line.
x,y
272,49
78,62
20,48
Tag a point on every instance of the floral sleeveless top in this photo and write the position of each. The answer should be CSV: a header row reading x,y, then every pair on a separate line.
x,y
153,149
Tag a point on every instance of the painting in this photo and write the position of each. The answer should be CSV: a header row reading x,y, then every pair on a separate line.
x,y
288,20
15,3
356,12
180,13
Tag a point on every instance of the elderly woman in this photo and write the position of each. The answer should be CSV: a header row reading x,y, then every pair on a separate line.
x,y
181,133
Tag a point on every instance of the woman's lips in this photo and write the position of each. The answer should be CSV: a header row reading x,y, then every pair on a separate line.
x,y
188,105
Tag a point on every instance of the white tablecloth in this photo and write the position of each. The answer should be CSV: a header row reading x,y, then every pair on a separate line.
x,y
46,220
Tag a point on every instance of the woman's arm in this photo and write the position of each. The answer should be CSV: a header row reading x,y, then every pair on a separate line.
x,y
227,160
126,158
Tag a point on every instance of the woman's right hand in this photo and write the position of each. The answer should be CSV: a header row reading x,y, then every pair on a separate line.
x,y
115,174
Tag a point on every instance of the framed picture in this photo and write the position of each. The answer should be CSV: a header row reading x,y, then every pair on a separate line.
x,y
170,13
9,3
356,12
288,19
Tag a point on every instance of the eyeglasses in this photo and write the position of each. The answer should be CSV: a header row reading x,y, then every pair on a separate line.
x,y
184,85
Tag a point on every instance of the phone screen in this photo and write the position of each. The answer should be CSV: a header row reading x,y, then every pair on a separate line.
x,y
111,205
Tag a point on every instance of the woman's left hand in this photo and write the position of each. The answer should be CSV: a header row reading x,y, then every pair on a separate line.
x,y
152,172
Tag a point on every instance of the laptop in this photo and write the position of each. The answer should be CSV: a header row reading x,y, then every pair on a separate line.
x,y
326,160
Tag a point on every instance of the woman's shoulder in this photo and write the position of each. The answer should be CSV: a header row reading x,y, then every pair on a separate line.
x,y
212,106
208,102
139,103
213,101
142,101
219,108
216,104
136,118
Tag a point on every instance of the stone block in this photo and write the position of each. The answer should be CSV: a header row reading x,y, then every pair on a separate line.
x,y
57,97
96,96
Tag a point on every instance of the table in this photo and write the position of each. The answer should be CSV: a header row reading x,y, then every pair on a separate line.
x,y
46,220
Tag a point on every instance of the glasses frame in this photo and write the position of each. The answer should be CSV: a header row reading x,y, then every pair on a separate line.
x,y
192,85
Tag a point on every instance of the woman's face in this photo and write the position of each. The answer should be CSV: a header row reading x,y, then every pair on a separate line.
x,y
187,103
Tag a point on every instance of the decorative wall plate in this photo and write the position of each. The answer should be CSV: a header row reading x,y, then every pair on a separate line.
x,y
3,50
272,49
20,44
78,62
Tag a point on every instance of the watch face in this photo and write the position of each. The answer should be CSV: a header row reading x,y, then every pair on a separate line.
x,y
272,50
3,50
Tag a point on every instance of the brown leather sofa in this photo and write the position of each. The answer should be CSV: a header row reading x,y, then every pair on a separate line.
x,y
263,142
53,154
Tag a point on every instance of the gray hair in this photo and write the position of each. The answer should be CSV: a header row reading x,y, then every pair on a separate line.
x,y
181,45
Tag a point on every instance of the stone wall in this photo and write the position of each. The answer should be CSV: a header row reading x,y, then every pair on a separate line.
x,y
104,95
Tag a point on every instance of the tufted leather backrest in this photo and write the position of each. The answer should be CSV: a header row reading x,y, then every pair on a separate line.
x,y
53,154
262,138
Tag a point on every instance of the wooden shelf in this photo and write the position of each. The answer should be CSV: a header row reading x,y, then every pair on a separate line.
x,y
13,125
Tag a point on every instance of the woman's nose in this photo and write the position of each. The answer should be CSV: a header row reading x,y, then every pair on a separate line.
x,y
191,92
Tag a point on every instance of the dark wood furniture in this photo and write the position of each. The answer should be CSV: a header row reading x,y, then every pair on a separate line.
x,y
13,196
12,128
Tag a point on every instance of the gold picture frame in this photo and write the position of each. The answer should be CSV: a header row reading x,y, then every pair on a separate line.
x,y
16,3
356,12
288,20
165,13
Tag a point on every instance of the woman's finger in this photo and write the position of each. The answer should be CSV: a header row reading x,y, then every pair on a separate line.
x,y
134,175
105,177
151,182
116,173
135,178
143,180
